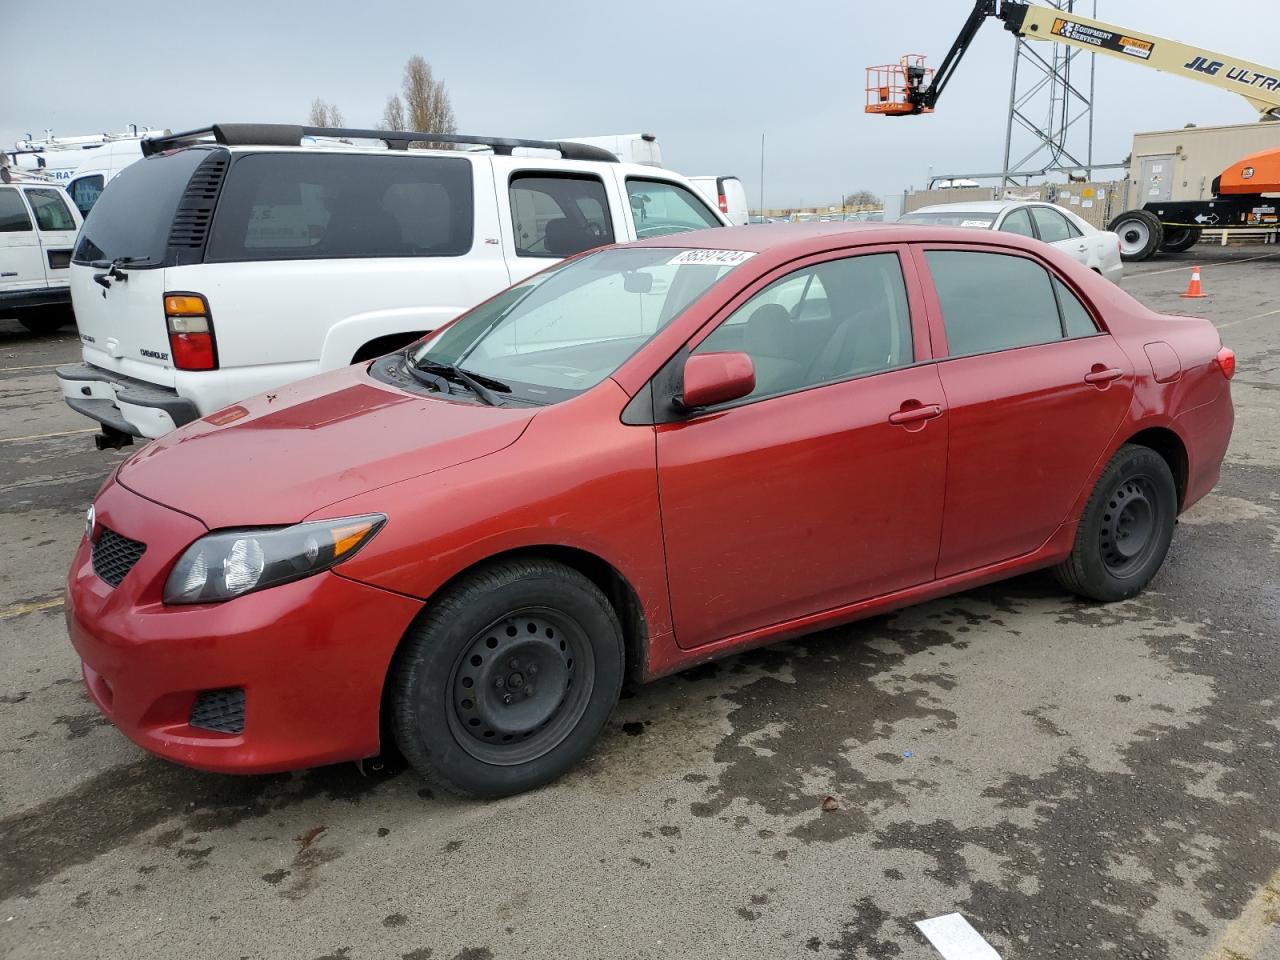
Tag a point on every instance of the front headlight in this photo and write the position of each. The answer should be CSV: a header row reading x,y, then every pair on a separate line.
x,y
231,562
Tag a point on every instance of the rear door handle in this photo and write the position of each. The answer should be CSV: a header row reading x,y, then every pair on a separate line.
x,y
1103,376
915,414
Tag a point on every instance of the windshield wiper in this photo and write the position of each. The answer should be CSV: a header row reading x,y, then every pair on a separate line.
x,y
482,386
111,269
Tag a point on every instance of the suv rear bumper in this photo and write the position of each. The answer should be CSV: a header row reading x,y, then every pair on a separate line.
x,y
121,403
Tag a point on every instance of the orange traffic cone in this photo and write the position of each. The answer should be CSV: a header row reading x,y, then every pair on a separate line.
x,y
1193,288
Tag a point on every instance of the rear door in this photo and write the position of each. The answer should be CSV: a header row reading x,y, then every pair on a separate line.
x,y
20,267
56,226
1035,391
121,317
1056,229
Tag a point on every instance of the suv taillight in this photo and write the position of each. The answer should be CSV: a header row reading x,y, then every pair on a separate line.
x,y
191,342
724,203
1226,359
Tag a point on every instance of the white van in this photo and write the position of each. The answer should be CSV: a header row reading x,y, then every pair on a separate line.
x,y
38,225
232,260
641,148
728,194
92,174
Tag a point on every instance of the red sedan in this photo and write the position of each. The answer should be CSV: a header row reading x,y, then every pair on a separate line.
x,y
640,459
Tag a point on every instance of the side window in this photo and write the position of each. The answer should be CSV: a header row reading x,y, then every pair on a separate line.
x,y
13,212
85,191
558,216
52,212
993,301
832,321
1052,225
1076,320
659,208
1018,222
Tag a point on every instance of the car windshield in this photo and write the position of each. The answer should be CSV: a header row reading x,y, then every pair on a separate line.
x,y
567,329
951,218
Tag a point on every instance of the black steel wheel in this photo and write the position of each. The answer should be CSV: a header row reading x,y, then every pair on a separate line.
x,y
507,678
1125,530
1177,239
1140,233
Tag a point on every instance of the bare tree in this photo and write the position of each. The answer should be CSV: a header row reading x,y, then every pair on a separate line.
x,y
324,114
425,106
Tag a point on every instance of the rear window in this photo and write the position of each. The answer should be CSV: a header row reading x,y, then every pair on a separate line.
x,y
52,212
293,206
133,216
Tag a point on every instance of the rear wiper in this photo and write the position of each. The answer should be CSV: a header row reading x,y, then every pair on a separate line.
x,y
482,386
111,269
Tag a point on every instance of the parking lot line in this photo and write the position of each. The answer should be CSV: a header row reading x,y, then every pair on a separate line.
x,y
46,436
20,609
1256,316
34,366
1248,933
1186,267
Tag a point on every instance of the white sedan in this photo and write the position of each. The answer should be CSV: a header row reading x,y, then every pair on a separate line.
x,y
1096,249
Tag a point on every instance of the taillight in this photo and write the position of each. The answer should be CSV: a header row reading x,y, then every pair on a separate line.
x,y
724,203
191,342
1226,360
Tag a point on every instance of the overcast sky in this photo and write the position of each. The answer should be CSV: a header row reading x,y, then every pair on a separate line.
x,y
707,78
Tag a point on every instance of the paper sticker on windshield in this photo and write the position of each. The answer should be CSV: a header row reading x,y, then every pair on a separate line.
x,y
714,258
975,223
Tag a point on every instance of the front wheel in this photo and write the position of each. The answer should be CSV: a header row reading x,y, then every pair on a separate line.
x,y
1126,528
1140,233
508,678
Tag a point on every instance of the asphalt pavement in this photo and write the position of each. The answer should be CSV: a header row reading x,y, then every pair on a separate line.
x,y
1076,780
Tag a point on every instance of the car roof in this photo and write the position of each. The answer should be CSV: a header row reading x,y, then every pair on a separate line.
x,y
979,206
632,169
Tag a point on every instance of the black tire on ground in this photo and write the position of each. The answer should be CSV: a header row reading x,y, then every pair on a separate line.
x,y
43,321
1126,528
505,681
1177,239
1140,233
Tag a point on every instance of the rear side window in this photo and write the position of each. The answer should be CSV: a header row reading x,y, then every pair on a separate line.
x,y
1076,320
992,301
1053,226
659,208
1018,222
133,216
13,212
558,216
295,206
85,191
52,212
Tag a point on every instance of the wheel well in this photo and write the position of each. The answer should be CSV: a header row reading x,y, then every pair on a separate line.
x,y
383,345
1170,447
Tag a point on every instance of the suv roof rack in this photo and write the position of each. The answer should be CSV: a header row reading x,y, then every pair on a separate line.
x,y
291,135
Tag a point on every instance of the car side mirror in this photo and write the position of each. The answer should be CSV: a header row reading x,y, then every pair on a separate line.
x,y
711,378
637,281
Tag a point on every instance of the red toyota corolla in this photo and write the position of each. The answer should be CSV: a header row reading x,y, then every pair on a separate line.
x,y
642,458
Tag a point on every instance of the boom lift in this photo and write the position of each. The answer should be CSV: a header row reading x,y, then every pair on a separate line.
x,y
909,87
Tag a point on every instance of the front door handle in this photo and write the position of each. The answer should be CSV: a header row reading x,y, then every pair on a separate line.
x,y
1099,374
915,414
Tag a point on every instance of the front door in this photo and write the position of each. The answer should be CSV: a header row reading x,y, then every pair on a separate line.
x,y
20,266
1035,391
824,486
56,226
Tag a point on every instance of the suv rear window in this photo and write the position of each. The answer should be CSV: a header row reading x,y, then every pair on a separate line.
x,y
294,206
133,216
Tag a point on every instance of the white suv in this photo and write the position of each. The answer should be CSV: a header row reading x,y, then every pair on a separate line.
x,y
234,259
38,225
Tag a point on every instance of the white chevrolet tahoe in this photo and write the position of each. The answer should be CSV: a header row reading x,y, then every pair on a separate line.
x,y
234,259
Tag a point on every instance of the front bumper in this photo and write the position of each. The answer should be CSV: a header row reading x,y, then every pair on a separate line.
x,y
122,403
311,656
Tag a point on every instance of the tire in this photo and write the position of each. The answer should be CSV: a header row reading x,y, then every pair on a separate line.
x,y
1177,239
44,321
1140,233
1126,528
507,679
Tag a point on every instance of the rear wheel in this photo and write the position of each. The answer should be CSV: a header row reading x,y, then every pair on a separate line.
x,y
1140,233
508,679
1126,528
1177,239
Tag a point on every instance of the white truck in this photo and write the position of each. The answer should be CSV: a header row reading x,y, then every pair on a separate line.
x,y
38,225
234,259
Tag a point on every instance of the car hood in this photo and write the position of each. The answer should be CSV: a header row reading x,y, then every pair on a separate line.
x,y
278,457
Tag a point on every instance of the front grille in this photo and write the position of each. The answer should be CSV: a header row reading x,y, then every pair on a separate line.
x,y
219,710
114,556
